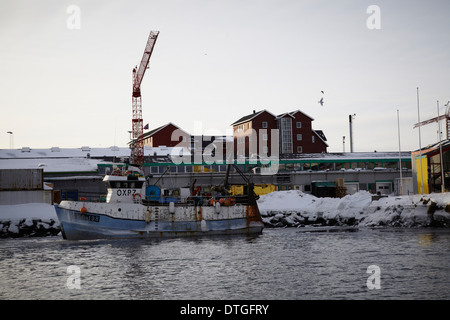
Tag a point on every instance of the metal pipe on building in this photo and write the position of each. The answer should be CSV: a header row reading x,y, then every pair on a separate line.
x,y
350,118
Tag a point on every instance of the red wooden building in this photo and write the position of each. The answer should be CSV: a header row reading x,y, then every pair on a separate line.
x,y
162,136
253,134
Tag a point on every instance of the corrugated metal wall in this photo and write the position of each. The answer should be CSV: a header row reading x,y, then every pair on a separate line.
x,y
21,197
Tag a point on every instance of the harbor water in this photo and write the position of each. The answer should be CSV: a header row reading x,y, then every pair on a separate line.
x,y
279,264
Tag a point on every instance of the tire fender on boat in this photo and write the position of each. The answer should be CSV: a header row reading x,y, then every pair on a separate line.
x,y
217,207
203,225
171,207
147,215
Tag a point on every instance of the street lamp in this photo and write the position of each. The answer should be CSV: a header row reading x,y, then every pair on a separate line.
x,y
11,144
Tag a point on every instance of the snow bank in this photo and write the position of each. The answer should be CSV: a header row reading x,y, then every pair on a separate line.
x,y
31,219
295,208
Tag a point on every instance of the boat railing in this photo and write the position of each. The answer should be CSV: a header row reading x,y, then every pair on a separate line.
x,y
90,197
194,200
205,200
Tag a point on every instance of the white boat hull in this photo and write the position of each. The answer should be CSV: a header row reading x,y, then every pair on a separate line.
x,y
130,220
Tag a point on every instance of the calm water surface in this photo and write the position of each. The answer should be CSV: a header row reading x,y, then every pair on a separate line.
x,y
279,264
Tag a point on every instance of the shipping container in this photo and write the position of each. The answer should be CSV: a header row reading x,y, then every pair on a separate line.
x,y
21,179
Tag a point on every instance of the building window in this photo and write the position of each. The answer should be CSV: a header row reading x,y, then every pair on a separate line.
x,y
265,136
313,139
299,124
265,149
264,124
299,149
299,137
285,125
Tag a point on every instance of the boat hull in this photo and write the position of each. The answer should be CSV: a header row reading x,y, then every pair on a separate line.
x,y
100,221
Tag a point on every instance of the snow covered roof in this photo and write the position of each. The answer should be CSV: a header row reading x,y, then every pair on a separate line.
x,y
251,117
56,152
346,156
152,132
433,148
321,135
52,165
83,152
84,159
294,112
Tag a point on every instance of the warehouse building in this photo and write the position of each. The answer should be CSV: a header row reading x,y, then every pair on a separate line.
x,y
78,172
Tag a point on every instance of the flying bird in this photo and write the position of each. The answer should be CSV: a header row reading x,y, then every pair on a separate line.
x,y
321,100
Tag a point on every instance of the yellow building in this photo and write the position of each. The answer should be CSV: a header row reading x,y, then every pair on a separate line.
x,y
422,174
431,168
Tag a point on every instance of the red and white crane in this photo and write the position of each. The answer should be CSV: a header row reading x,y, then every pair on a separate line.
x,y
137,143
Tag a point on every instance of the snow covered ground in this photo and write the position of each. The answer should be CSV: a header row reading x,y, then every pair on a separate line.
x,y
295,208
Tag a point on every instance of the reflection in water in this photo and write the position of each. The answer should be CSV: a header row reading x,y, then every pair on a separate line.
x,y
425,239
279,264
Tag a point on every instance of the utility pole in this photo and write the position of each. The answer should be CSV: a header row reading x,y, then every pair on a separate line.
x,y
440,151
420,144
399,156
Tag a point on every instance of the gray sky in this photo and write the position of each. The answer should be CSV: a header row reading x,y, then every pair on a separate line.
x,y
216,61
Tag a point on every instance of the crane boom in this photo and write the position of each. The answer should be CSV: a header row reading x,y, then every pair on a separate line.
x,y
445,117
436,119
139,75
137,144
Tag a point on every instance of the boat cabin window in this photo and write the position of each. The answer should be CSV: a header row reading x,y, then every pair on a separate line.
x,y
125,184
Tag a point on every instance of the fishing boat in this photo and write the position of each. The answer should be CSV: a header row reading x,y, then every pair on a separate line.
x,y
134,209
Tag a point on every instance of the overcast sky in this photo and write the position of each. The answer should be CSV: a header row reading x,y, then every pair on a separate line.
x,y
67,82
